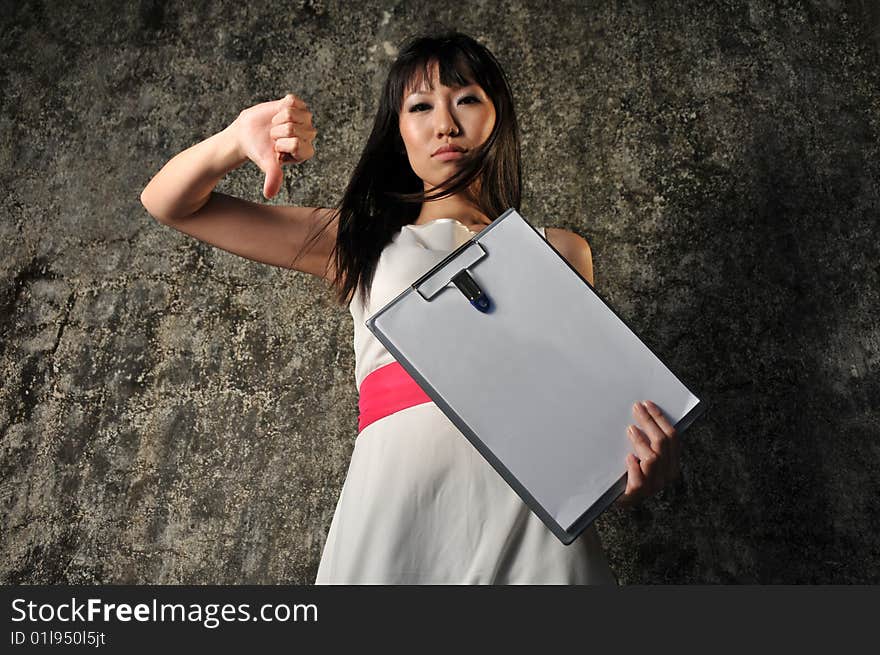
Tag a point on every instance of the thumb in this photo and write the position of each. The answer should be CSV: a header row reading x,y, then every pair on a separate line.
x,y
274,176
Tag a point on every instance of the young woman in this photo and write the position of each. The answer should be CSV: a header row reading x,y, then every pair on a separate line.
x,y
419,504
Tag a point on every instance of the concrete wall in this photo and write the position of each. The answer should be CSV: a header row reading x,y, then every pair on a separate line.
x,y
171,413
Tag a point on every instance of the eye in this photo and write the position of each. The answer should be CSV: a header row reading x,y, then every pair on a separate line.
x,y
417,107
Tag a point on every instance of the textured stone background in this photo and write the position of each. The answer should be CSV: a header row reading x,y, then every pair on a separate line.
x,y
171,413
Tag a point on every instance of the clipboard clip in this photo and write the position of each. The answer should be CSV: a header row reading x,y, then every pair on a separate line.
x,y
471,290
454,268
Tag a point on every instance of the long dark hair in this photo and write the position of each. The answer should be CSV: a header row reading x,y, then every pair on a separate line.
x,y
385,194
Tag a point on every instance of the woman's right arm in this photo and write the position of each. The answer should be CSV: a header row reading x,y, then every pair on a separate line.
x,y
181,195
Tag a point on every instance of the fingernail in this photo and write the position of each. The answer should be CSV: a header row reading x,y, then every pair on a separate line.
x,y
631,431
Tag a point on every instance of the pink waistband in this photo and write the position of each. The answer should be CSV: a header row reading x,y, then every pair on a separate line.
x,y
386,390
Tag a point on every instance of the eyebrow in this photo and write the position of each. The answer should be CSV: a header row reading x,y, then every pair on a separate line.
x,y
426,91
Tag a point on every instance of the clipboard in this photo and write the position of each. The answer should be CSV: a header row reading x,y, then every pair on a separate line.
x,y
533,367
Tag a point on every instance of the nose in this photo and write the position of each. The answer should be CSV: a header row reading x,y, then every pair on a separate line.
x,y
445,122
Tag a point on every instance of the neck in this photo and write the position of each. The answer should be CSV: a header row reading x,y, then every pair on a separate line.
x,y
457,207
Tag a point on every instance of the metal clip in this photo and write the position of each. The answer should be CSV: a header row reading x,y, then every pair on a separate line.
x,y
471,290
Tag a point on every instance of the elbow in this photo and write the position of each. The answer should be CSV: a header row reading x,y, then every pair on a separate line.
x,y
150,208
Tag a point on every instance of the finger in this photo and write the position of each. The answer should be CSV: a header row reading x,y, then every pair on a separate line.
x,y
290,146
293,129
671,437
659,470
292,100
641,445
301,153
290,114
648,459
660,418
298,149
307,150
286,130
652,466
656,436
289,100
672,440
635,480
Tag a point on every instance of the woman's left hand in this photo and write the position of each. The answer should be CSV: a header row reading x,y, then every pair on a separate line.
x,y
656,462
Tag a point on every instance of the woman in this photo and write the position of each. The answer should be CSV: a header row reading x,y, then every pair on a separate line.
x,y
419,504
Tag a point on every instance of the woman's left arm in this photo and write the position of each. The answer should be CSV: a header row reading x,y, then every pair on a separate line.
x,y
657,459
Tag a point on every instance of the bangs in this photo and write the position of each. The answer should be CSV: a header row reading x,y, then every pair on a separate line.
x,y
415,74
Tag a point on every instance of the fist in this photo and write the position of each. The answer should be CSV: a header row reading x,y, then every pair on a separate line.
x,y
292,131
275,133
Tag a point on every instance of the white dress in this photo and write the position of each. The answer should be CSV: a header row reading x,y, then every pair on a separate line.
x,y
420,505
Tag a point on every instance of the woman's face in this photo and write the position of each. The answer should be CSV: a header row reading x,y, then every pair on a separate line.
x,y
461,117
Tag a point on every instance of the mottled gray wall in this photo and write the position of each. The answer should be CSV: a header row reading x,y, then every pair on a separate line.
x,y
170,413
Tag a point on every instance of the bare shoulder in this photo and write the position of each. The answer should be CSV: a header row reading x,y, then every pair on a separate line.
x,y
574,248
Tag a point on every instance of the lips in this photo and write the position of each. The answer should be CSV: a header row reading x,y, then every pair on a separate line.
x,y
447,149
